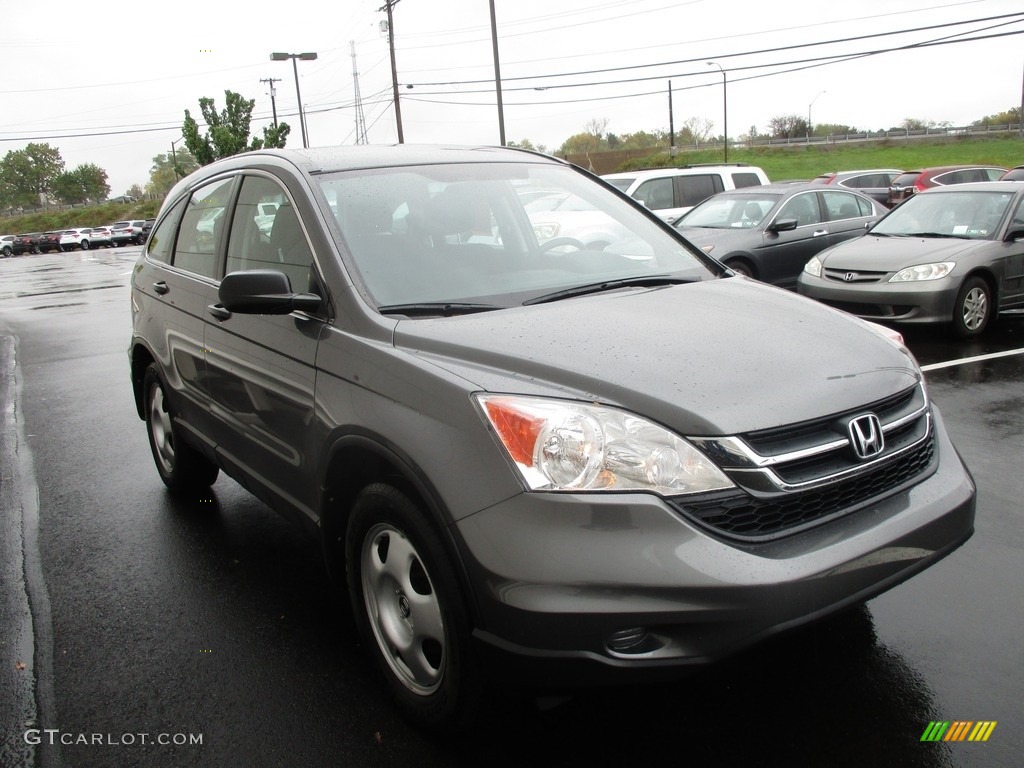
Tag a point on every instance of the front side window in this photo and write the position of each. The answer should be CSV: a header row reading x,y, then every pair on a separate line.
x,y
201,227
803,208
656,194
728,211
266,234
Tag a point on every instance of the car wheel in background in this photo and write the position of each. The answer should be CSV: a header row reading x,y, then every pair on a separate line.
x,y
85,245
181,467
8,252
741,267
410,609
972,308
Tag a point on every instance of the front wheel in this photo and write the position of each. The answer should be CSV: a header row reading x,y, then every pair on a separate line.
x,y
181,467
410,609
972,309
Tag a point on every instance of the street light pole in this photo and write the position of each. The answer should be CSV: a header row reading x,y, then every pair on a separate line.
x,y
809,129
298,94
497,77
725,110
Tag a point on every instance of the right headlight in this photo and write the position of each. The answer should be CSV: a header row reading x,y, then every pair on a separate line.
x,y
561,445
923,272
813,267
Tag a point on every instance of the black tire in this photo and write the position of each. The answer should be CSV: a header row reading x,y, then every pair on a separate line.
x,y
8,252
85,245
741,267
410,610
972,309
181,467
140,240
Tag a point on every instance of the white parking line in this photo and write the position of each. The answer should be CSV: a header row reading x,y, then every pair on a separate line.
x,y
975,359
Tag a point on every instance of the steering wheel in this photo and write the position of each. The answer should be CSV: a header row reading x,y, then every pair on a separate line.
x,y
557,242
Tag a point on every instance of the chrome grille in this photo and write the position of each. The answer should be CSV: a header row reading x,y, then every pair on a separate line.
x,y
852,275
793,477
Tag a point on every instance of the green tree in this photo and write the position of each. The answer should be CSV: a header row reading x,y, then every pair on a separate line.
x,y
28,174
86,183
228,130
135,191
1009,117
164,174
787,127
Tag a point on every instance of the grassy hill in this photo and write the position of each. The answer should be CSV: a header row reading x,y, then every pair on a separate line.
x,y
806,162
92,216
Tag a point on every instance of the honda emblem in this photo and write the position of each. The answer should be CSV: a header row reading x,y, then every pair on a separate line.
x,y
866,436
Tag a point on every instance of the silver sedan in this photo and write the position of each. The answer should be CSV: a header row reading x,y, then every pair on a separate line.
x,y
952,255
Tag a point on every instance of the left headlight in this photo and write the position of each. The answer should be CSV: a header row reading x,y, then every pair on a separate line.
x,y
561,445
813,267
923,272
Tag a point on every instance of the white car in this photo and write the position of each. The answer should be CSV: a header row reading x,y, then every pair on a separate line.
x,y
572,222
73,239
6,246
671,192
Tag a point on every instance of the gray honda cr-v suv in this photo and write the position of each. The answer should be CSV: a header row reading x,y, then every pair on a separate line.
x,y
524,454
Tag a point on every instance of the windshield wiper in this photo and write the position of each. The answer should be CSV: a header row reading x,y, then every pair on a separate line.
x,y
436,309
936,234
648,281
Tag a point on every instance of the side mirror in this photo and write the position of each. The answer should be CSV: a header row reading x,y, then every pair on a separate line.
x,y
263,292
783,225
1016,233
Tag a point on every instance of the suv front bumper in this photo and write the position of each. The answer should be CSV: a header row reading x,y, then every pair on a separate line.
x,y
567,582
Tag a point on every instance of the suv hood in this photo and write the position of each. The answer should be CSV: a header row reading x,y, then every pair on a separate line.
x,y
712,358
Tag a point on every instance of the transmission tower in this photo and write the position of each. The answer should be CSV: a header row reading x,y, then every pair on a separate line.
x,y
360,118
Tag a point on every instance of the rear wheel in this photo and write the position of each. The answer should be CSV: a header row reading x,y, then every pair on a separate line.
x,y
85,245
410,609
181,467
973,308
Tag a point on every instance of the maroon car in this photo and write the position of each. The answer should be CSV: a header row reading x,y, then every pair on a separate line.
x,y
906,184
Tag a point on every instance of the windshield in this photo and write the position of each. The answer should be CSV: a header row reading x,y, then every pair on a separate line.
x,y
971,215
730,211
463,237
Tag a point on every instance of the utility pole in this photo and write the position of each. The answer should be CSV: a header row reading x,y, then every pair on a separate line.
x,y
394,69
671,124
497,77
360,118
273,104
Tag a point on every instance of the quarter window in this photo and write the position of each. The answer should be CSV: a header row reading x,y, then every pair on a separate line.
x,y
161,241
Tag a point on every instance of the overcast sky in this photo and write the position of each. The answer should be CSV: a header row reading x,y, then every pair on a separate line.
x,y
108,82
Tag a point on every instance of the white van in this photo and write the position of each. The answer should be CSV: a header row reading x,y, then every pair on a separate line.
x,y
671,192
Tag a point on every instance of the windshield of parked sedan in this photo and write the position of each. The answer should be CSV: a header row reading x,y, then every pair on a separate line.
x,y
964,214
728,211
477,236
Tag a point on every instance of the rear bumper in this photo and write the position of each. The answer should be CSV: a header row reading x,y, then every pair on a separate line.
x,y
566,578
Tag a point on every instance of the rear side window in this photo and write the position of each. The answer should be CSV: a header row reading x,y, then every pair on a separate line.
x,y
868,181
961,177
161,241
740,180
841,206
204,219
691,190
905,180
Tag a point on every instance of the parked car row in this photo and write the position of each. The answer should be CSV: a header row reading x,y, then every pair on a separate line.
x,y
79,238
950,252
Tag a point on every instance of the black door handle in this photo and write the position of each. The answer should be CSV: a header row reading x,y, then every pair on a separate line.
x,y
219,312
160,287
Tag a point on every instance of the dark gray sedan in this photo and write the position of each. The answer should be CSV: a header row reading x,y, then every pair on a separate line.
x,y
948,255
769,232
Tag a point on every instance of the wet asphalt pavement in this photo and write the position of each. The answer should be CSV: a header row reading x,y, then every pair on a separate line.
x,y
129,618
